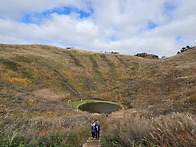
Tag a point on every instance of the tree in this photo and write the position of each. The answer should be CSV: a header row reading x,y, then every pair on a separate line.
x,y
145,55
185,49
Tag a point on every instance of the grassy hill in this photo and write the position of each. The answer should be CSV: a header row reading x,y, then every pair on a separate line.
x,y
38,80
37,73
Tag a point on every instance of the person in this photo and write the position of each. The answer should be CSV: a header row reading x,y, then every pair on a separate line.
x,y
93,129
97,129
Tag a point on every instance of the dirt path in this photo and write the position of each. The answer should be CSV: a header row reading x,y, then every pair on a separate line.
x,y
91,142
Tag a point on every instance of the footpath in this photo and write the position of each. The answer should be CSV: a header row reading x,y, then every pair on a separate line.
x,y
92,142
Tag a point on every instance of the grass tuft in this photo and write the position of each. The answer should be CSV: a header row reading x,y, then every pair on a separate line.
x,y
176,129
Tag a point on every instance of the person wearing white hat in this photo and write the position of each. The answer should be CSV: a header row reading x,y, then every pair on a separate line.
x,y
97,129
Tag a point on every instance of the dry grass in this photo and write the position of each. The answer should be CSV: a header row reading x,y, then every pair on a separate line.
x,y
174,130
47,94
87,74
39,129
37,80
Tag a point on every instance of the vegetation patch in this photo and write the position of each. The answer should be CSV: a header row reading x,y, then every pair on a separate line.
x,y
23,59
17,68
38,131
121,61
10,64
112,69
139,130
145,55
98,74
76,60
89,84
64,80
186,49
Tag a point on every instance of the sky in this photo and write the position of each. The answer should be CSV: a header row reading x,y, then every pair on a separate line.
x,y
160,27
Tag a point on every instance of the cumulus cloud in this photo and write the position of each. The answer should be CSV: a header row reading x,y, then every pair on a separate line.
x,y
15,9
161,27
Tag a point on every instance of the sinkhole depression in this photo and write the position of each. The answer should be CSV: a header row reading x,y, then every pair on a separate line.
x,y
99,107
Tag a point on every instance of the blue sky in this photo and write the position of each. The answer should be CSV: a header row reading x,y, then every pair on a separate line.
x,y
31,17
152,25
169,7
160,27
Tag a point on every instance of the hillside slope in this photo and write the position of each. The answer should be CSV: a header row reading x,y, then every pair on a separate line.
x,y
33,76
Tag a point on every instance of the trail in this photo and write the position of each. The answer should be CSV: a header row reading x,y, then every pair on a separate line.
x,y
96,142
91,142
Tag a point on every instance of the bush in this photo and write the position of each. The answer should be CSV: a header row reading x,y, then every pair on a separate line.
x,y
145,55
185,49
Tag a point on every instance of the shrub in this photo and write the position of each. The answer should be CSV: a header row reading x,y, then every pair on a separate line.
x,y
185,49
145,55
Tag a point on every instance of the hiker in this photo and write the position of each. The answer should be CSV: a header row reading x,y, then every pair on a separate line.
x,y
97,129
93,129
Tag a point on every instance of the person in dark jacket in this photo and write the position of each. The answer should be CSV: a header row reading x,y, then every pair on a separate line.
x,y
93,129
97,129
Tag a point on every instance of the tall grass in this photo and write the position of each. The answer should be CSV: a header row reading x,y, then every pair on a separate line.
x,y
174,130
39,131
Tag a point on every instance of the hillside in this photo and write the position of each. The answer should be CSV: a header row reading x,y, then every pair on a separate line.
x,y
36,81
40,73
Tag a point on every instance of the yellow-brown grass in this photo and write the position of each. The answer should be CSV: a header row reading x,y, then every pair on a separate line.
x,y
37,80
137,129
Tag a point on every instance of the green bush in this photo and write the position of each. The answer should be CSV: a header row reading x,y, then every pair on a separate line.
x,y
145,55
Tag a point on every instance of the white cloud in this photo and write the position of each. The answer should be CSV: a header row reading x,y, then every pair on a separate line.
x,y
15,9
120,25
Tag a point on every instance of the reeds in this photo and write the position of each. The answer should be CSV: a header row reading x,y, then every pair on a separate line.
x,y
174,130
38,131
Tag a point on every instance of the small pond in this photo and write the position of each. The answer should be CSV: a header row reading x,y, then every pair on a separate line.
x,y
99,107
